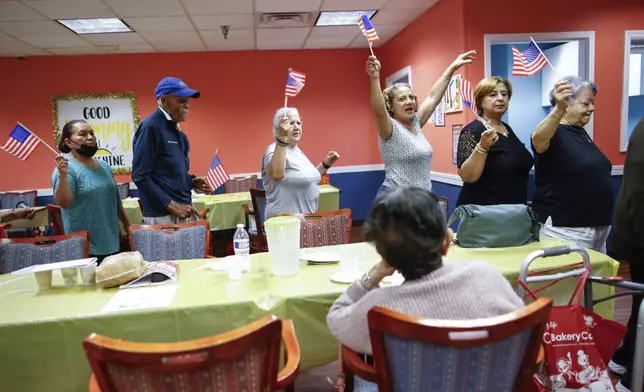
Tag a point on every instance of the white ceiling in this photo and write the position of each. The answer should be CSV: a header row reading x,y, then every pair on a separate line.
x,y
27,27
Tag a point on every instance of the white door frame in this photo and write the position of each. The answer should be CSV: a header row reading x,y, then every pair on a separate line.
x,y
589,36
629,35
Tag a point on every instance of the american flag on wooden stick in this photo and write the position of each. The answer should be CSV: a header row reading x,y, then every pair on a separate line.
x,y
294,83
21,143
528,62
367,28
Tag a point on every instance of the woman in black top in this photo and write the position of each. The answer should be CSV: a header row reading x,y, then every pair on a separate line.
x,y
492,162
574,193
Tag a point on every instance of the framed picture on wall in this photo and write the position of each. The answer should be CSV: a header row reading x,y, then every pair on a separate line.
x,y
113,117
452,96
439,114
456,133
402,76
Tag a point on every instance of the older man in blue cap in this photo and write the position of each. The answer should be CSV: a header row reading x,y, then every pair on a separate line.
x,y
161,165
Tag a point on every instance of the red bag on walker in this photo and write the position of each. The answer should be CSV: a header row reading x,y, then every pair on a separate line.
x,y
573,360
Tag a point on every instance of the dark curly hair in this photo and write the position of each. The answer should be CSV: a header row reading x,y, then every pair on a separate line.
x,y
66,134
408,229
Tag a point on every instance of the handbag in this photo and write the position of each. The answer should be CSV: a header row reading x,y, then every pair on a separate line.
x,y
495,226
574,360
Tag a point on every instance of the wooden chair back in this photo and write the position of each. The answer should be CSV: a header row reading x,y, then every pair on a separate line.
x,y
179,241
9,200
20,253
244,359
501,352
325,228
56,219
240,184
256,232
443,203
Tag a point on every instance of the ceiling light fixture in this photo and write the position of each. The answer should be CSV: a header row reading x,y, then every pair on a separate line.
x,y
341,18
95,26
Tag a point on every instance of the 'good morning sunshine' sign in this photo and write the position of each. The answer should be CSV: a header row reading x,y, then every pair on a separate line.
x,y
112,116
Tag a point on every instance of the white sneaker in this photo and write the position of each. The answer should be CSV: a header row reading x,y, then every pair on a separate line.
x,y
616,368
620,388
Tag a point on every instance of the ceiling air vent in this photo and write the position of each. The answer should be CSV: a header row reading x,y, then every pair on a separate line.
x,y
286,19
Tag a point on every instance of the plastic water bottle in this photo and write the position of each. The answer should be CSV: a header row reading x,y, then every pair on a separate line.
x,y
241,241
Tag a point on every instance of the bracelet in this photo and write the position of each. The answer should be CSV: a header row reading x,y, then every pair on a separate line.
x,y
281,143
366,281
325,166
480,150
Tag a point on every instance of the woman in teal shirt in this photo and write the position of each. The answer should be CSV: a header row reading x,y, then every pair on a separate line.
x,y
86,190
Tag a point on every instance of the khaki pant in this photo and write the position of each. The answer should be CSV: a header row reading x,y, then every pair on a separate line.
x,y
168,220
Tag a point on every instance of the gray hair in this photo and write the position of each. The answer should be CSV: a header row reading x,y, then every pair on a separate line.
x,y
577,84
279,115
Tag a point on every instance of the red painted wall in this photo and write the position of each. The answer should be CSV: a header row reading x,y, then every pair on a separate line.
x,y
240,92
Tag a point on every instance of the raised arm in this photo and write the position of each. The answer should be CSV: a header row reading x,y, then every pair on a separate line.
x,y
429,104
276,166
383,121
327,162
472,153
548,126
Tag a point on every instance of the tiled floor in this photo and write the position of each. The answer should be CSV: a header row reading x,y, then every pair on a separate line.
x,y
315,380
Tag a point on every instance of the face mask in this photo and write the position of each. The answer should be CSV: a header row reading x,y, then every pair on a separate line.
x,y
86,150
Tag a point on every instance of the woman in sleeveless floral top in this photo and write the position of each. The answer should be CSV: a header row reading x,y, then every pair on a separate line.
x,y
405,151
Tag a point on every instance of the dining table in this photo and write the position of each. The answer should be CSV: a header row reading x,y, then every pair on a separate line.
x,y
41,332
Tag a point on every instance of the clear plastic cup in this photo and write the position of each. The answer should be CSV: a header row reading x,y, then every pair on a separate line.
x,y
88,274
70,276
234,268
44,280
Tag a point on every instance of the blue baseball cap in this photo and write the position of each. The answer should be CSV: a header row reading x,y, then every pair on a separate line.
x,y
174,86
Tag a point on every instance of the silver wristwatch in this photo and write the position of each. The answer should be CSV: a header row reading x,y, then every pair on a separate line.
x,y
366,281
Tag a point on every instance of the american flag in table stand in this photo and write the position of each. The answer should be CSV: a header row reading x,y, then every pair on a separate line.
x,y
294,84
528,62
217,175
21,143
368,30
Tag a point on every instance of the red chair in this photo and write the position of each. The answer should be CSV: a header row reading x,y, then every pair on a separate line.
x,y
240,184
9,200
244,359
257,234
17,254
405,348
325,228
179,241
56,219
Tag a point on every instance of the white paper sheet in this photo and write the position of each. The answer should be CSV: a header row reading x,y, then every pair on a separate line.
x,y
141,298
54,266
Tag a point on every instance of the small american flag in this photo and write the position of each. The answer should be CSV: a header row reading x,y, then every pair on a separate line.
x,y
294,83
21,143
217,175
528,62
367,28
467,94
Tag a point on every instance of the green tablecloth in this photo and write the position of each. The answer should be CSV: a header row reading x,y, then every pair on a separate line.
x,y
41,333
226,209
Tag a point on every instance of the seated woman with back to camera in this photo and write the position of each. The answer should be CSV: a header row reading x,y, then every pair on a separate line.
x,y
410,234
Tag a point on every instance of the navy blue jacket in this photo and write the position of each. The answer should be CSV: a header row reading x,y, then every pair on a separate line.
x,y
160,165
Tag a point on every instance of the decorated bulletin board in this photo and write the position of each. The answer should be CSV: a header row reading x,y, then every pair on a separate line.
x,y
113,117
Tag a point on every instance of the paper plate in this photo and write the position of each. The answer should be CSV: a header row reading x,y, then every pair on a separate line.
x,y
346,277
322,257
